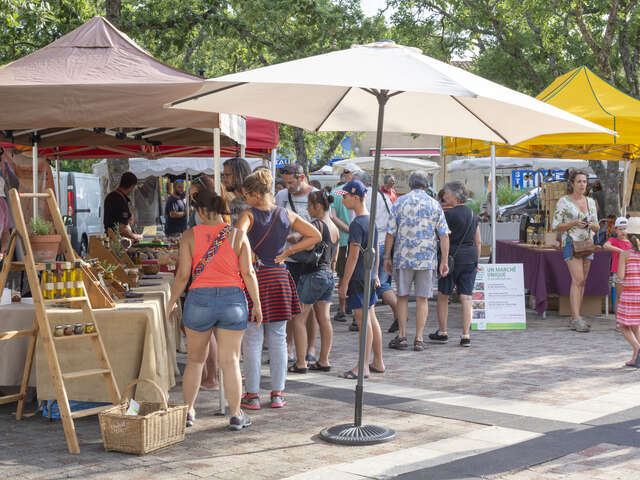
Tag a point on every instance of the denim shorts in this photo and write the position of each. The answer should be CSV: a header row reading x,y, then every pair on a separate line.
x,y
463,277
220,307
315,287
384,277
355,301
567,250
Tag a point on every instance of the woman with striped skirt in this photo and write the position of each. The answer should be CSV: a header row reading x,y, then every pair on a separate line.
x,y
268,227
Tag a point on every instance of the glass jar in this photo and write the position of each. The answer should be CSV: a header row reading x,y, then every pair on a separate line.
x,y
68,330
58,331
78,329
89,327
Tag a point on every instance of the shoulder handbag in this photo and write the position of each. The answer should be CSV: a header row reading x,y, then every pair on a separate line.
x,y
311,257
211,251
452,258
583,248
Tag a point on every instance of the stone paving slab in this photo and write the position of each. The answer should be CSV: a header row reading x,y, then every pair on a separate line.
x,y
545,366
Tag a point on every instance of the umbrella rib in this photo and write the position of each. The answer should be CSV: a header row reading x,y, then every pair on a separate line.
x,y
479,119
332,109
200,95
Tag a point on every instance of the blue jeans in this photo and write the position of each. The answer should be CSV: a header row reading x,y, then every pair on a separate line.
x,y
276,336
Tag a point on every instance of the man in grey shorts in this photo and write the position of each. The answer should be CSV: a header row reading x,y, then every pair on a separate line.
x,y
414,222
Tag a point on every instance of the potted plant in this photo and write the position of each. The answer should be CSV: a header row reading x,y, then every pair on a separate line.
x,y
44,245
107,270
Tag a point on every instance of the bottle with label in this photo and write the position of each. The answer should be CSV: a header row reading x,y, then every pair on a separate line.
x,y
68,279
48,279
59,283
78,282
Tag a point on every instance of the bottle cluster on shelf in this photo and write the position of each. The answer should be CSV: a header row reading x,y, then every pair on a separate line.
x,y
77,329
62,280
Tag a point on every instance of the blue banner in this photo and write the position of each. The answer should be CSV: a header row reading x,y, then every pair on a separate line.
x,y
532,178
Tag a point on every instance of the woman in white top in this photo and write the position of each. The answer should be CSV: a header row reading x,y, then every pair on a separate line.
x,y
576,218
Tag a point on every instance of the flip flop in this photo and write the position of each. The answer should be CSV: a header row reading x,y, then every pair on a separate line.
x,y
376,370
321,368
350,375
295,369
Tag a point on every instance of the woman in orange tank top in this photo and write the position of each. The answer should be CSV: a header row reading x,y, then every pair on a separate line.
x,y
218,258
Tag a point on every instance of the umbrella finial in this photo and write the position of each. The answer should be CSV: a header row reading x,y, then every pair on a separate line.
x,y
387,43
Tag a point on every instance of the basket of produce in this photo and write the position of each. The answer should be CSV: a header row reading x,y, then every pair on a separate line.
x,y
150,267
142,427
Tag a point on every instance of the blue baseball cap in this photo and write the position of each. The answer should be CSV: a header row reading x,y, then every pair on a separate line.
x,y
353,187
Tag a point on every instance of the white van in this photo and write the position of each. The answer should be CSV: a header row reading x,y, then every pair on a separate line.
x,y
81,207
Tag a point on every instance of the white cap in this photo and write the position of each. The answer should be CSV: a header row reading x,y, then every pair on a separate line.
x,y
621,222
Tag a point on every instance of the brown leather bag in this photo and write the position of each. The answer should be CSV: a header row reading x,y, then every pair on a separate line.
x,y
583,248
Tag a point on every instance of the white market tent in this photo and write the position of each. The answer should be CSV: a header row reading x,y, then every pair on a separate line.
x,y
144,168
484,163
389,163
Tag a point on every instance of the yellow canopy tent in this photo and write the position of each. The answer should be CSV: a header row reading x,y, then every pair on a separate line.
x,y
582,93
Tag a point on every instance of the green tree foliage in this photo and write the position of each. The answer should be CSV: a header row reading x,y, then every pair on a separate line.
x,y
211,37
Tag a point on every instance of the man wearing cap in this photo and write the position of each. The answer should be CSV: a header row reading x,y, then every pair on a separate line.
x,y
353,282
415,221
617,245
116,207
175,210
342,218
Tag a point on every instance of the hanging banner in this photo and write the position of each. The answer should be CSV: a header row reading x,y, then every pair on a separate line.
x,y
525,179
498,298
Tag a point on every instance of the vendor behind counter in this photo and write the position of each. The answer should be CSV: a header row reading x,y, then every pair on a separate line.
x,y
116,207
175,211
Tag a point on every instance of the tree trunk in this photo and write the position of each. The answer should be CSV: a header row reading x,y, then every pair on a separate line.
x,y
113,8
116,167
610,179
301,149
330,149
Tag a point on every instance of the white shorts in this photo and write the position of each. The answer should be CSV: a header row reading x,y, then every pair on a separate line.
x,y
422,281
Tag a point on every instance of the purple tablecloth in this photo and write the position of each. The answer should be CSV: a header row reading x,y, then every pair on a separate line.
x,y
545,271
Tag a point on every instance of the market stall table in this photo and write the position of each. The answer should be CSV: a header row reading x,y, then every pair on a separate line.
x,y
134,339
546,272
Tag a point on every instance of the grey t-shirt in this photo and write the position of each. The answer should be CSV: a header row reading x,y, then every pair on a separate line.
x,y
300,202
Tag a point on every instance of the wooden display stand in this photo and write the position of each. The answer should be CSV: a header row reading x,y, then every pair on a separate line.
x,y
99,251
42,327
551,193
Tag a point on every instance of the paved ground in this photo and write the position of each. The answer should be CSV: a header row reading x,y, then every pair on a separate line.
x,y
545,403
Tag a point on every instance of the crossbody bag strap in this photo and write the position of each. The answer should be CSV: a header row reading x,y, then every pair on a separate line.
x,y
273,220
384,197
293,207
466,232
211,251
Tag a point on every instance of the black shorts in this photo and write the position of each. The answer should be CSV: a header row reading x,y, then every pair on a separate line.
x,y
463,277
342,259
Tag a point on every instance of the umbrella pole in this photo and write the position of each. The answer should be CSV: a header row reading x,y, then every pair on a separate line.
x,y
494,207
34,175
356,433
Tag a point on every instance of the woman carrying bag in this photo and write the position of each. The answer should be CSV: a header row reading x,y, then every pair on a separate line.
x,y
576,218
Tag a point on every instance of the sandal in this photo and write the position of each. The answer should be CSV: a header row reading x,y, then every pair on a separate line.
x,y
376,370
295,369
321,368
418,345
399,343
350,375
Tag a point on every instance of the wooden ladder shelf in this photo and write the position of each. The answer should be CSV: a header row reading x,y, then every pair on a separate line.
x,y
43,328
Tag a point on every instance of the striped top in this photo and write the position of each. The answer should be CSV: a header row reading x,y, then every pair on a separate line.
x,y
628,311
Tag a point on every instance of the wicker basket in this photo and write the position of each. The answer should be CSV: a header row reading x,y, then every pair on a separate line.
x,y
158,425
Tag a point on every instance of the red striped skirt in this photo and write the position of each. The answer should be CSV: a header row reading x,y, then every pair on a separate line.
x,y
278,294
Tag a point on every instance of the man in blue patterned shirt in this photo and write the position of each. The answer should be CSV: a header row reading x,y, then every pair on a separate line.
x,y
415,222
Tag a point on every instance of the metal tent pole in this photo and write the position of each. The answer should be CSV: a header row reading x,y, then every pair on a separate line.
x,y
356,433
34,176
216,159
274,154
494,207
58,179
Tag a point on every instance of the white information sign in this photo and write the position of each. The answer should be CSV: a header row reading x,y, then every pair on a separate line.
x,y
498,298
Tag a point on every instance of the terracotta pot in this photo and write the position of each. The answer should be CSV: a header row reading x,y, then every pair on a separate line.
x,y
45,247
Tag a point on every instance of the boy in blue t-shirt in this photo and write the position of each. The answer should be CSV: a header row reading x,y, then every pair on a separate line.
x,y
352,286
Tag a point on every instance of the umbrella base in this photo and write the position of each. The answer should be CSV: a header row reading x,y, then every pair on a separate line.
x,y
350,434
